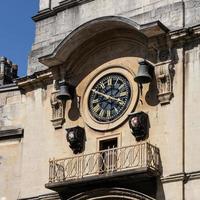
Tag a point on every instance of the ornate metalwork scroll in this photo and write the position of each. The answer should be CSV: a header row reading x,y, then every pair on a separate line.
x,y
110,161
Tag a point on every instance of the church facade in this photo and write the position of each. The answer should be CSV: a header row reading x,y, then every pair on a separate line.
x,y
109,107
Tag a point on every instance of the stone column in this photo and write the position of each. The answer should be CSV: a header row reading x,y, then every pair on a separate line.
x,y
2,67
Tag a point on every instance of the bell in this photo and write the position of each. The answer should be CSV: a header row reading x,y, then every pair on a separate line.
x,y
144,72
64,93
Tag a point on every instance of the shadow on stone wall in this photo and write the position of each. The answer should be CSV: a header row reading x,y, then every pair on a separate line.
x,y
151,96
74,111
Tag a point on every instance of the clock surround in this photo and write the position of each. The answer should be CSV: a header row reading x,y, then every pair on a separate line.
x,y
102,72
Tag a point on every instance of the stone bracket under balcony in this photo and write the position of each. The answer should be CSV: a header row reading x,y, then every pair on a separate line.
x,y
118,167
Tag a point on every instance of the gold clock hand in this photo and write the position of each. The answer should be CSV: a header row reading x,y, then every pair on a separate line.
x,y
108,96
102,94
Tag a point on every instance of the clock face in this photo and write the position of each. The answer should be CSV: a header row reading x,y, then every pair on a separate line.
x,y
109,97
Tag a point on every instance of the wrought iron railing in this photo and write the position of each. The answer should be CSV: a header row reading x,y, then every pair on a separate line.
x,y
142,155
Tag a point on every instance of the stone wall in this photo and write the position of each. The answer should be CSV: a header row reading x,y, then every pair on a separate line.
x,y
52,30
12,114
10,168
192,116
11,108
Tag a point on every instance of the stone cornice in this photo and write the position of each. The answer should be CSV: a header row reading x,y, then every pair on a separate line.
x,y
185,33
94,27
33,80
193,175
173,178
10,133
63,5
185,177
54,196
9,87
43,14
30,81
153,29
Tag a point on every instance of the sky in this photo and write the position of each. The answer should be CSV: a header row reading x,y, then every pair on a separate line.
x,y
17,31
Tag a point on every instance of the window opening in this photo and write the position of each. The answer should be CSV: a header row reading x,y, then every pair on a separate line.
x,y
108,155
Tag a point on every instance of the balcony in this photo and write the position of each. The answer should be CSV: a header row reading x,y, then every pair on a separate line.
x,y
130,162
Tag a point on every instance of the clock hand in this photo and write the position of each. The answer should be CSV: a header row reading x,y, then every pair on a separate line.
x,y
102,94
108,96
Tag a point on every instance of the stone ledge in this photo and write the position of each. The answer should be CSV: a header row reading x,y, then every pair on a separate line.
x,y
43,15
11,133
35,80
49,196
173,178
185,33
185,177
9,87
153,29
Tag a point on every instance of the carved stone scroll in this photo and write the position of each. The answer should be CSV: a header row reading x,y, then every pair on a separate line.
x,y
57,111
164,76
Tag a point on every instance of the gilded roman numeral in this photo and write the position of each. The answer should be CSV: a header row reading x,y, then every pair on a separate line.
x,y
96,108
121,86
109,81
108,113
101,113
123,94
102,85
122,103
95,101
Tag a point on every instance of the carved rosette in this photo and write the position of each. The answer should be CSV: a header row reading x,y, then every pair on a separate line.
x,y
164,76
57,111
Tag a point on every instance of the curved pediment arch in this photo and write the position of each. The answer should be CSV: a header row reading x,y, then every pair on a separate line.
x,y
99,41
87,31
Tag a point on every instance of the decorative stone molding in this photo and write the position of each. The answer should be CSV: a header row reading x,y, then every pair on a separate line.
x,y
173,178
185,33
54,196
111,193
185,177
164,76
35,80
57,111
7,133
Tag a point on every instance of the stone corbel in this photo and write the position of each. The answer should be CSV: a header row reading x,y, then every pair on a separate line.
x,y
164,75
57,111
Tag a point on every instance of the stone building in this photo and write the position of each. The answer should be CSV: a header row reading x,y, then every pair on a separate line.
x,y
109,107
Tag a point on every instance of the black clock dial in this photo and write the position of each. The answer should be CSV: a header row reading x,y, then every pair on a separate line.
x,y
109,97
